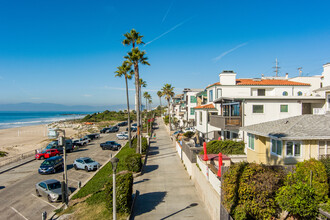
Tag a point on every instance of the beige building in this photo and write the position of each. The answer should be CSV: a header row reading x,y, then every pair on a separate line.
x,y
288,141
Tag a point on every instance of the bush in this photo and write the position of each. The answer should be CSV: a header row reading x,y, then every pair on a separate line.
x,y
166,119
3,153
249,190
299,200
134,162
108,116
326,163
124,189
319,177
227,147
189,134
144,144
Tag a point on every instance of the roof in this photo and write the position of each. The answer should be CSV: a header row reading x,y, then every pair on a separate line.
x,y
314,99
303,127
178,96
264,82
192,90
207,106
325,88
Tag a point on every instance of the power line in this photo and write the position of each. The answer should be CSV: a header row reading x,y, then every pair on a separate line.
x,y
276,67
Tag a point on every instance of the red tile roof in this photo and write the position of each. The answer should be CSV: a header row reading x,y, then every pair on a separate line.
x,y
207,106
264,82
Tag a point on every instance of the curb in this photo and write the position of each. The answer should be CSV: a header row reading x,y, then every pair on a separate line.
x,y
137,193
21,164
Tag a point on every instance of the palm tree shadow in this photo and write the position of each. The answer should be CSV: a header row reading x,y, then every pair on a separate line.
x,y
147,202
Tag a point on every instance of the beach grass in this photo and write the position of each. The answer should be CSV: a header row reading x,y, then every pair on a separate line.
x,y
3,153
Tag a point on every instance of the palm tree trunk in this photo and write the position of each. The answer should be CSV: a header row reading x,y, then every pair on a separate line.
x,y
160,101
137,105
128,113
140,106
169,115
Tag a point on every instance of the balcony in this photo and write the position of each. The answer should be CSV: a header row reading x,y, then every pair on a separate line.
x,y
226,122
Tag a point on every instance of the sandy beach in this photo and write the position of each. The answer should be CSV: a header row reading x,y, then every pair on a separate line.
x,y
20,140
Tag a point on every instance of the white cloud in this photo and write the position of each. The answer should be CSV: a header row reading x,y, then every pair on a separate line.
x,y
227,52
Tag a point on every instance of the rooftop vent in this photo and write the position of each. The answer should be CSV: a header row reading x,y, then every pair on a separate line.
x,y
228,71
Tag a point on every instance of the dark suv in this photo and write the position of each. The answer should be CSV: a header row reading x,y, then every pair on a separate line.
x,y
92,136
51,165
54,145
104,130
110,145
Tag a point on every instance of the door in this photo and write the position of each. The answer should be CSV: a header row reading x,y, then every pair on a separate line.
x,y
306,108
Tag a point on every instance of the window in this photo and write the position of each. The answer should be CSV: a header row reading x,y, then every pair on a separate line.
x,y
284,108
276,147
200,118
261,92
192,111
210,95
43,185
285,93
251,141
219,93
193,99
324,148
258,109
299,93
293,149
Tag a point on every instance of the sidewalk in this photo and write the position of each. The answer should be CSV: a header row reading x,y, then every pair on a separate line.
x,y
166,192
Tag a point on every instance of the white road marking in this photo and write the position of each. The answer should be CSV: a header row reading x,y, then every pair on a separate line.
x,y
44,201
18,213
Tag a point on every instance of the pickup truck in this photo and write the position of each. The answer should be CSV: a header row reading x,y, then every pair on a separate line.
x,y
80,142
92,136
54,145
110,145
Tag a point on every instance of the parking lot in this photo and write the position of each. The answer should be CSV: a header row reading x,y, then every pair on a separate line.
x,y
18,199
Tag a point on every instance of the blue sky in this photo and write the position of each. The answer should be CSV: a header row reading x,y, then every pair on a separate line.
x,y
66,52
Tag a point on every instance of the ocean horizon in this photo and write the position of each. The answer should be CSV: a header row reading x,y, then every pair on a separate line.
x,y
14,119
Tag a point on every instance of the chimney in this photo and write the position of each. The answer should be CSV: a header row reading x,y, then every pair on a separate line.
x,y
287,76
227,77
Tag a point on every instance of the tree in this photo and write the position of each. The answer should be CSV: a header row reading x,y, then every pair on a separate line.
x,y
135,57
168,93
146,95
141,84
160,94
126,70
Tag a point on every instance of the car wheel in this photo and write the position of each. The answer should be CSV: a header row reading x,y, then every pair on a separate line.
x,y
37,192
49,199
75,167
42,157
86,168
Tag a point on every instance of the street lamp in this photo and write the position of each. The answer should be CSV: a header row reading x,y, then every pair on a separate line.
x,y
114,161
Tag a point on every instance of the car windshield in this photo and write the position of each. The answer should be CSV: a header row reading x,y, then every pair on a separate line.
x,y
89,160
47,163
55,185
110,142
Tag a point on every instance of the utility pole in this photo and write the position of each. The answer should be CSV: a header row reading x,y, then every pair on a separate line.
x,y
300,71
276,67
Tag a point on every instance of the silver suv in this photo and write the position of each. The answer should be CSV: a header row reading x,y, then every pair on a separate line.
x,y
50,189
86,163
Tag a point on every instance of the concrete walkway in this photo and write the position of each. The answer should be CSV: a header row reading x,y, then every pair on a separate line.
x,y
166,192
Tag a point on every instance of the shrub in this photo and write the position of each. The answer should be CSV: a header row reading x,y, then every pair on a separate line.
x,y
166,119
326,163
124,189
299,200
227,147
249,190
319,177
134,162
3,153
189,134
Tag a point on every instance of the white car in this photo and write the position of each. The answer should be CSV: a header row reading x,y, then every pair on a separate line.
x,y
122,136
189,129
124,132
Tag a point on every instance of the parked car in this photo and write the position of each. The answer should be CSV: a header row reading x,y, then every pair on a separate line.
x,y
51,189
79,142
104,130
51,165
54,145
47,153
124,132
189,129
178,132
110,145
91,136
86,163
121,124
97,135
113,129
133,129
122,136
85,139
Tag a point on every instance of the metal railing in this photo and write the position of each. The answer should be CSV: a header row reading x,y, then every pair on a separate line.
x,y
8,160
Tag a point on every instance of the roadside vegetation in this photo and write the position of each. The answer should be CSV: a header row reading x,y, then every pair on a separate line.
x,y
257,191
108,116
227,147
3,153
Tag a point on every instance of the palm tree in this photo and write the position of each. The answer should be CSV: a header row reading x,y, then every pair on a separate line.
x,y
146,96
135,56
168,93
126,70
160,94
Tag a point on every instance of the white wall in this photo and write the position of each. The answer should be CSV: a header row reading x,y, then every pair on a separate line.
x,y
191,105
326,75
315,81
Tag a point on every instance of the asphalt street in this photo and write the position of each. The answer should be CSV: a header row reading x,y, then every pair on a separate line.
x,y
18,199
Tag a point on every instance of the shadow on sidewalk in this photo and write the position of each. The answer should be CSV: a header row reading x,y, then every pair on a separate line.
x,y
189,206
150,168
148,202
140,181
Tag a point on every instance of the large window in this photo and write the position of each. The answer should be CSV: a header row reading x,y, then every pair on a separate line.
x,y
261,92
276,147
192,111
293,148
193,99
258,109
251,141
284,108
211,95
219,93
200,118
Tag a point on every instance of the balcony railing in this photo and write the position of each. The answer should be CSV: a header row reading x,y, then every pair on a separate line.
x,y
226,122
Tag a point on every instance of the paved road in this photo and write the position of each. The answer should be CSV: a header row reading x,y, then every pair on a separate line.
x,y
166,192
17,186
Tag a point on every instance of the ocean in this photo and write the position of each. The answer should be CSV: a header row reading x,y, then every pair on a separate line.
x,y
12,119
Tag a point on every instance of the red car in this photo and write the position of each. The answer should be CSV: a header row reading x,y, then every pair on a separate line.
x,y
47,154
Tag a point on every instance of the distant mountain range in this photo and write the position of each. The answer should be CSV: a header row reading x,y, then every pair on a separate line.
x,y
59,107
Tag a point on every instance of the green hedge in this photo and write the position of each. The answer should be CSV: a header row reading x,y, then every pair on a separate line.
x,y
326,162
189,134
124,189
134,162
108,116
227,147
